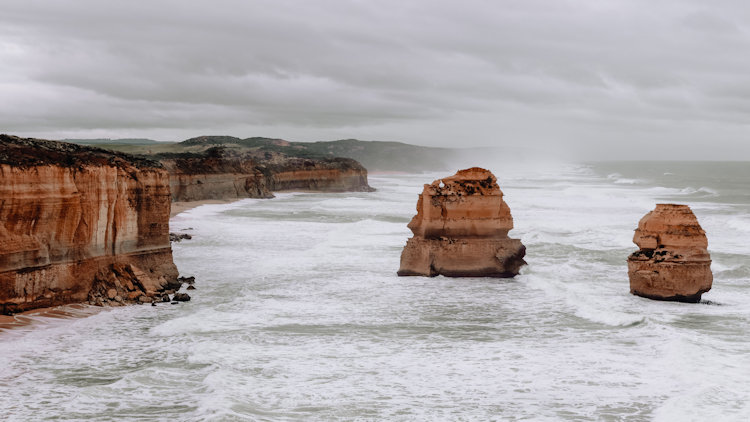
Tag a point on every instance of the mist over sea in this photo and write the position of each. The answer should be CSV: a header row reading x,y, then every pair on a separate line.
x,y
299,315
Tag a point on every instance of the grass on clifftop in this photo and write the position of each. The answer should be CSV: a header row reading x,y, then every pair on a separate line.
x,y
374,155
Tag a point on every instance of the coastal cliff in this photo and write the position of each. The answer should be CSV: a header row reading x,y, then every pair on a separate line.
x,y
218,173
213,175
461,230
81,224
329,175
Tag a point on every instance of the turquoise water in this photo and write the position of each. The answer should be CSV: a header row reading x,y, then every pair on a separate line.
x,y
298,315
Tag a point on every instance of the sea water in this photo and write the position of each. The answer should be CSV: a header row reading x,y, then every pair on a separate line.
x,y
299,315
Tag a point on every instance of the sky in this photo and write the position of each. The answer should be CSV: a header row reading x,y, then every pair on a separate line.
x,y
595,79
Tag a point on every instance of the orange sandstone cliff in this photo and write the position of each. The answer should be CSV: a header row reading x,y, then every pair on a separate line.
x,y
461,230
80,223
673,262
212,175
224,174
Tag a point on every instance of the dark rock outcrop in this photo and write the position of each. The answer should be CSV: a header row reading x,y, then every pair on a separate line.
x,y
672,262
181,297
80,223
178,237
188,280
461,230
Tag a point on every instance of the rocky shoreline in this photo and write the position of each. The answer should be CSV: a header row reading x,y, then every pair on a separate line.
x,y
87,225
219,174
71,216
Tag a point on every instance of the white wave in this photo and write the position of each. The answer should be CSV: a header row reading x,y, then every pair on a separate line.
x,y
606,315
586,300
625,181
619,179
711,192
298,314
691,191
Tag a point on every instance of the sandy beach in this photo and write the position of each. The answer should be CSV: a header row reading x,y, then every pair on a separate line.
x,y
40,315
178,207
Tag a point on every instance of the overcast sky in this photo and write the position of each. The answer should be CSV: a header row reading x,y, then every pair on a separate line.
x,y
589,79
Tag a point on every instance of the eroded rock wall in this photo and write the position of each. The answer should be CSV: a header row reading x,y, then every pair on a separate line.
x,y
461,230
673,262
69,213
213,176
329,175
227,176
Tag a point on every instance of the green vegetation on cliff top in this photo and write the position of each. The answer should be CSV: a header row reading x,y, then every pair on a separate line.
x,y
374,155
108,141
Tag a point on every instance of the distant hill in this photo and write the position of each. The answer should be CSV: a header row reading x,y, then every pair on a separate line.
x,y
108,141
374,155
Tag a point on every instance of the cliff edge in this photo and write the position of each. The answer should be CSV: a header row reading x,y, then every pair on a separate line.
x,y
80,223
225,173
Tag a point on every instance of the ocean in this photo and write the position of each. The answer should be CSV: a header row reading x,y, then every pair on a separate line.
x,y
299,315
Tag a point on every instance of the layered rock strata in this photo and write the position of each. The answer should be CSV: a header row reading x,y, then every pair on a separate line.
x,y
672,262
80,223
461,230
219,174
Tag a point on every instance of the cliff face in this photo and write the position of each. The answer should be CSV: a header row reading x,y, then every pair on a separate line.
x,y
330,175
211,176
70,216
461,230
673,262
220,175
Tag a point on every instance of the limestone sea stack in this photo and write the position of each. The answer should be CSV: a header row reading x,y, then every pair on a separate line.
x,y
673,262
81,224
461,230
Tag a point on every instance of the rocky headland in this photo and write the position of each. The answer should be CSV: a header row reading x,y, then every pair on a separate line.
x,y
85,224
81,224
673,262
221,173
461,230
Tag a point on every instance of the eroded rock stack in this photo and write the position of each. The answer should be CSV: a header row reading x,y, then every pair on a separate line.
x,y
461,230
673,262
80,223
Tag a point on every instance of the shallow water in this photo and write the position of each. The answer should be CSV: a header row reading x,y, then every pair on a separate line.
x,y
298,315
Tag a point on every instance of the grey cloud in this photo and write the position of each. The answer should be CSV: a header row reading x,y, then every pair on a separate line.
x,y
588,77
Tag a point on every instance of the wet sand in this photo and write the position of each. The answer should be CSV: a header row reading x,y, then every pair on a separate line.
x,y
178,207
387,173
45,315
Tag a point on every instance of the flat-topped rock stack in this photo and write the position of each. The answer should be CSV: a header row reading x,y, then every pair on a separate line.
x,y
673,262
461,230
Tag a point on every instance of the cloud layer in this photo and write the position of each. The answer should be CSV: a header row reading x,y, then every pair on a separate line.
x,y
590,79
